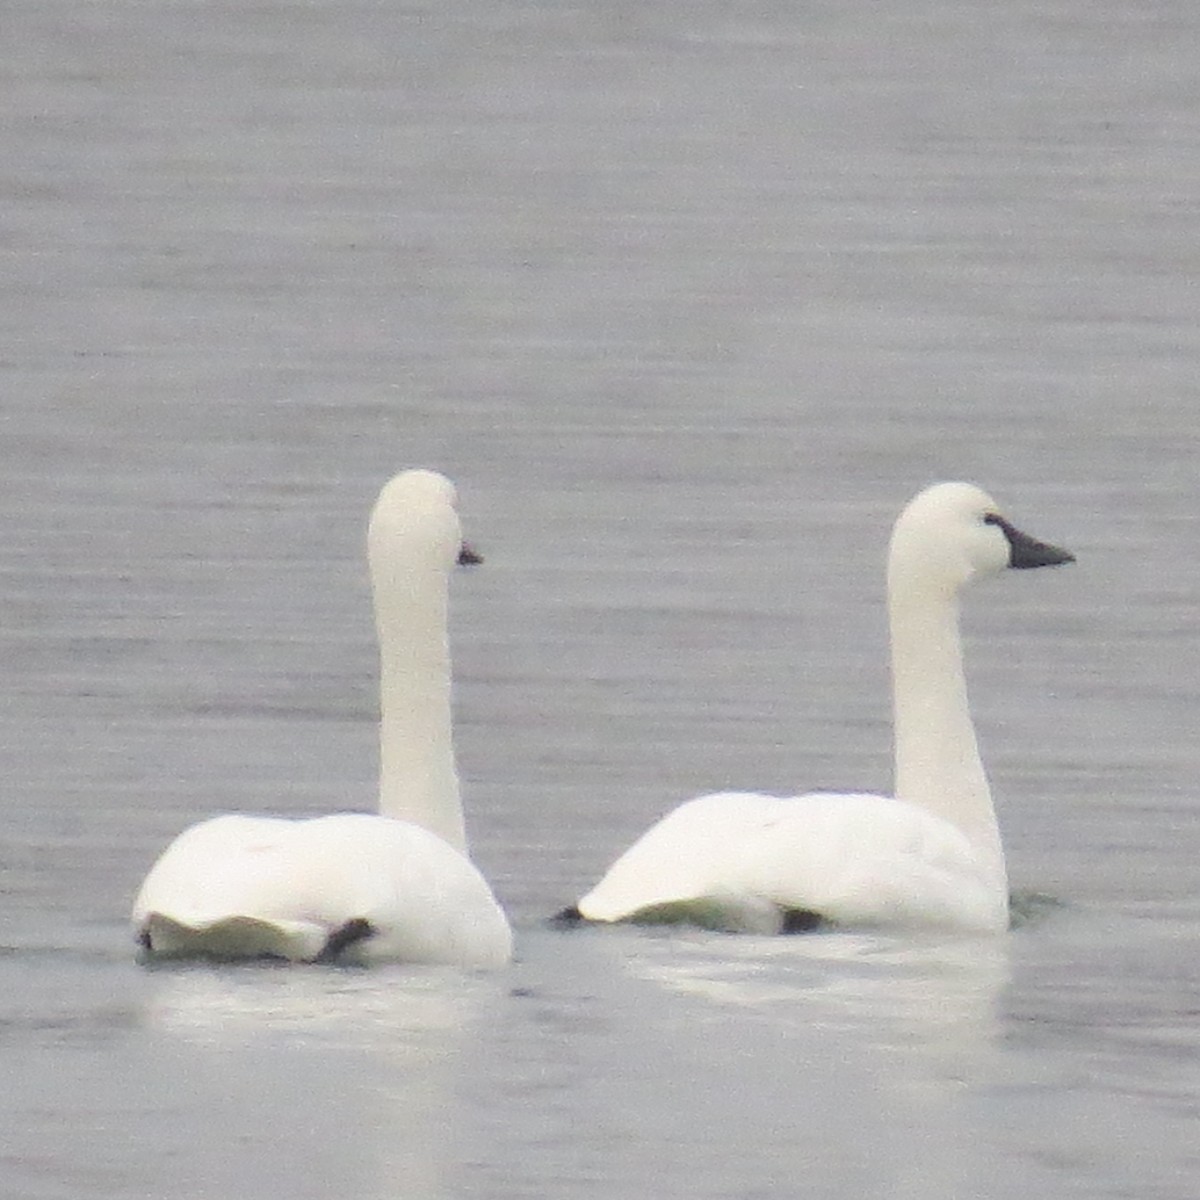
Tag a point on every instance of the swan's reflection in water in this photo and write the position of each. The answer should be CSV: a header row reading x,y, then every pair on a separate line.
x,y
391,1010
732,1064
935,996
346,1077
884,1036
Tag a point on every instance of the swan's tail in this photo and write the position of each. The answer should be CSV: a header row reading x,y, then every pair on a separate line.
x,y
241,937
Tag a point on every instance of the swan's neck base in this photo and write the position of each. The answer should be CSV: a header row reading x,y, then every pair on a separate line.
x,y
417,777
938,766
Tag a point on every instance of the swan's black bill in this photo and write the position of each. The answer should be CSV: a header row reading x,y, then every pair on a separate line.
x,y
1024,551
468,556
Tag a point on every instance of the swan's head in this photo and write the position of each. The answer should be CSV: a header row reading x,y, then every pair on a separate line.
x,y
415,520
952,533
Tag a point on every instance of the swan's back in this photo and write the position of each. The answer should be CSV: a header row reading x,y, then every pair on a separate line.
x,y
354,886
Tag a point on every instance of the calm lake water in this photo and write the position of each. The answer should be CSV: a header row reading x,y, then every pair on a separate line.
x,y
689,299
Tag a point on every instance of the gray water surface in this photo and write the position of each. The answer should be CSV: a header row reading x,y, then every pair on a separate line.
x,y
689,299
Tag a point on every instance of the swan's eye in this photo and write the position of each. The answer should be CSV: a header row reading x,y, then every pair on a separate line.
x,y
993,519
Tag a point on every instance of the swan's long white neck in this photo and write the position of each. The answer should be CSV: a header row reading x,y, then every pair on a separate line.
x,y
938,766
417,777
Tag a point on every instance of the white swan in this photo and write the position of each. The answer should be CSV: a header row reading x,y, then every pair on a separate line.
x,y
358,887
930,855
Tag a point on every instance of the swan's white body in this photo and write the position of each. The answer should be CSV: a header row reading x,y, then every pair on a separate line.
x,y
741,861
931,855
359,887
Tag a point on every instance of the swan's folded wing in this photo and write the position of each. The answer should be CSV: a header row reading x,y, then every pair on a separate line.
x,y
860,859
679,868
223,867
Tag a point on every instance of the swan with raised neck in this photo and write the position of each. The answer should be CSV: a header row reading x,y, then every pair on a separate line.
x,y
929,854
361,887
413,539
